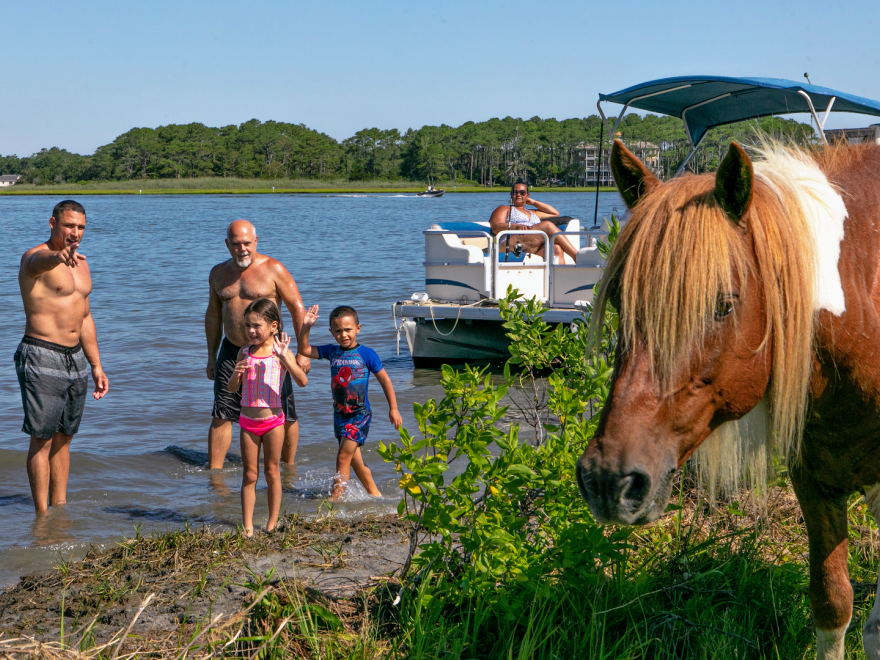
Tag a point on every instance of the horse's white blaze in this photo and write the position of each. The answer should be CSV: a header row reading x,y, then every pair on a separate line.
x,y
824,210
871,631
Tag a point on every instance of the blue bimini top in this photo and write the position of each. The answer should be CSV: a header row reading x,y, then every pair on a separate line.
x,y
703,102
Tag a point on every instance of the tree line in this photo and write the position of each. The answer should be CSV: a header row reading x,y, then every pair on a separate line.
x,y
492,152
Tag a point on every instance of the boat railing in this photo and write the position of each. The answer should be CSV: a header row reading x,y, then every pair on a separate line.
x,y
577,275
487,264
519,270
558,285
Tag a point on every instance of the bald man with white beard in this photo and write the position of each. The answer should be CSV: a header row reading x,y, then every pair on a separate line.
x,y
235,284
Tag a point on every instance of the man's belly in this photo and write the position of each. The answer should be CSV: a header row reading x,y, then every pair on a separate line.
x,y
64,330
233,319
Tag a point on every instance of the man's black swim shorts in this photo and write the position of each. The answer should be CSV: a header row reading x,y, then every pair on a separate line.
x,y
227,405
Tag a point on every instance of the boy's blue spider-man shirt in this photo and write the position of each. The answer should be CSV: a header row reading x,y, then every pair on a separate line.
x,y
350,377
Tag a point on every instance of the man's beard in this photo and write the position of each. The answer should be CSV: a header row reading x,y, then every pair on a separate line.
x,y
243,263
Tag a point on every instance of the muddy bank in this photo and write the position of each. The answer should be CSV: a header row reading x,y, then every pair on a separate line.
x,y
197,577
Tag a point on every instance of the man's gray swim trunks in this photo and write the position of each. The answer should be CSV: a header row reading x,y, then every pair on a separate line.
x,y
53,380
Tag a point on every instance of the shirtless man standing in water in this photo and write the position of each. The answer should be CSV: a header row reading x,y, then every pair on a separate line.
x,y
59,344
234,284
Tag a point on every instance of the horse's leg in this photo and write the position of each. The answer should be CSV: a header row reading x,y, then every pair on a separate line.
x,y
871,632
830,591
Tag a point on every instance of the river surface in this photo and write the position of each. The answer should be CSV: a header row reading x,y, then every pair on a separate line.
x,y
138,458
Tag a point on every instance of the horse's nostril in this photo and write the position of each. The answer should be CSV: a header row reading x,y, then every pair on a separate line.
x,y
584,485
634,487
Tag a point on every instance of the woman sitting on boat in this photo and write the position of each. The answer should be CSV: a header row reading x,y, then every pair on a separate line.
x,y
517,216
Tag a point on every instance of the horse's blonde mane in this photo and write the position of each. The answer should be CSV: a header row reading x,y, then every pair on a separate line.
x,y
679,251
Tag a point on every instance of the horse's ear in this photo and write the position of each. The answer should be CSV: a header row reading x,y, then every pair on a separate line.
x,y
734,183
633,179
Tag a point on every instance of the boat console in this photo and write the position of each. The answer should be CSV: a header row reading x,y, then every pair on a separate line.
x,y
467,269
466,263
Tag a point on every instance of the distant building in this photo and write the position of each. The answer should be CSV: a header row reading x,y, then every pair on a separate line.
x,y
9,180
587,155
854,135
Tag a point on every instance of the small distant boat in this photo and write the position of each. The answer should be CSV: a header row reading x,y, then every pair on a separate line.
x,y
431,192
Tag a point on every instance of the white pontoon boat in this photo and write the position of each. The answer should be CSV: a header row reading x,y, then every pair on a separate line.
x,y
456,319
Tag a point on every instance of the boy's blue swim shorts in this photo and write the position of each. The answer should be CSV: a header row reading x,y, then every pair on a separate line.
x,y
353,427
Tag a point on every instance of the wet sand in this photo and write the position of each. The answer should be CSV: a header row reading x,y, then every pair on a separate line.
x,y
198,577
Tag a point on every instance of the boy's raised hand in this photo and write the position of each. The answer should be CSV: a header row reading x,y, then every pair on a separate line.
x,y
280,343
395,418
311,316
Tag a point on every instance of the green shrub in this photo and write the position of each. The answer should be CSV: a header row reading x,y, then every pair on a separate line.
x,y
507,560
513,516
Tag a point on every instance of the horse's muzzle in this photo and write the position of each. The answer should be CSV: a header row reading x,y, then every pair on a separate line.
x,y
629,497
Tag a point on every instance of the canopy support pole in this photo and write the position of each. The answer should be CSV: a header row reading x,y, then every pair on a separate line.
x,y
598,170
820,125
617,121
604,119
687,131
828,111
684,112
611,130
690,155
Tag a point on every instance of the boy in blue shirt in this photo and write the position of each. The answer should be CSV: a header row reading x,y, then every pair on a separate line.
x,y
350,368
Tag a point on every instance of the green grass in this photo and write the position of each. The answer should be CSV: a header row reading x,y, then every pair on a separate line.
x,y
215,185
700,586
729,607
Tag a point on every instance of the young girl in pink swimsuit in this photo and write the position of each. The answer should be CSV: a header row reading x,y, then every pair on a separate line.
x,y
259,373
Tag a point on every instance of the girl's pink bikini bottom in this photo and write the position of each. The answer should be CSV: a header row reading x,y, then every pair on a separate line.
x,y
261,426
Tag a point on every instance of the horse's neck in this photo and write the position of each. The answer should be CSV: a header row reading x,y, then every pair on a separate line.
x,y
851,337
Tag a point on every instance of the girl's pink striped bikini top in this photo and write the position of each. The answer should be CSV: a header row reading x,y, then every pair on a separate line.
x,y
262,387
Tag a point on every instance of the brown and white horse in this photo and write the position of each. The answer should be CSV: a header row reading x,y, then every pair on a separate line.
x,y
755,285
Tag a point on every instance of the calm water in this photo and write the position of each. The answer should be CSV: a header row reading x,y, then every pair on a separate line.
x,y
150,257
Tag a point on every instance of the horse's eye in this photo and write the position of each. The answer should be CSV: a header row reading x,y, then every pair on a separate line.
x,y
724,306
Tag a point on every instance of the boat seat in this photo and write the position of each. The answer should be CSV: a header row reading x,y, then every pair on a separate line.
x,y
590,256
450,249
464,227
480,242
456,243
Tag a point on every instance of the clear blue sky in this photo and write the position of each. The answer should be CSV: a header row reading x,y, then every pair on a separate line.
x,y
76,75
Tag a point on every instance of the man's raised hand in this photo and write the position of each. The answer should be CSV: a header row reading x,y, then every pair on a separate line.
x,y
280,343
311,316
70,257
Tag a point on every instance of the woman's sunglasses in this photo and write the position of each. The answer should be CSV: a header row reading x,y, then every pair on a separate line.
x,y
520,192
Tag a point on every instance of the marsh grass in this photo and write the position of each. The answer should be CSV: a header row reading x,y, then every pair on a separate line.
x,y
724,583
217,185
200,579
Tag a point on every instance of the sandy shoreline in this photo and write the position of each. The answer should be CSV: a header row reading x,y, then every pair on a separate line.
x,y
197,577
